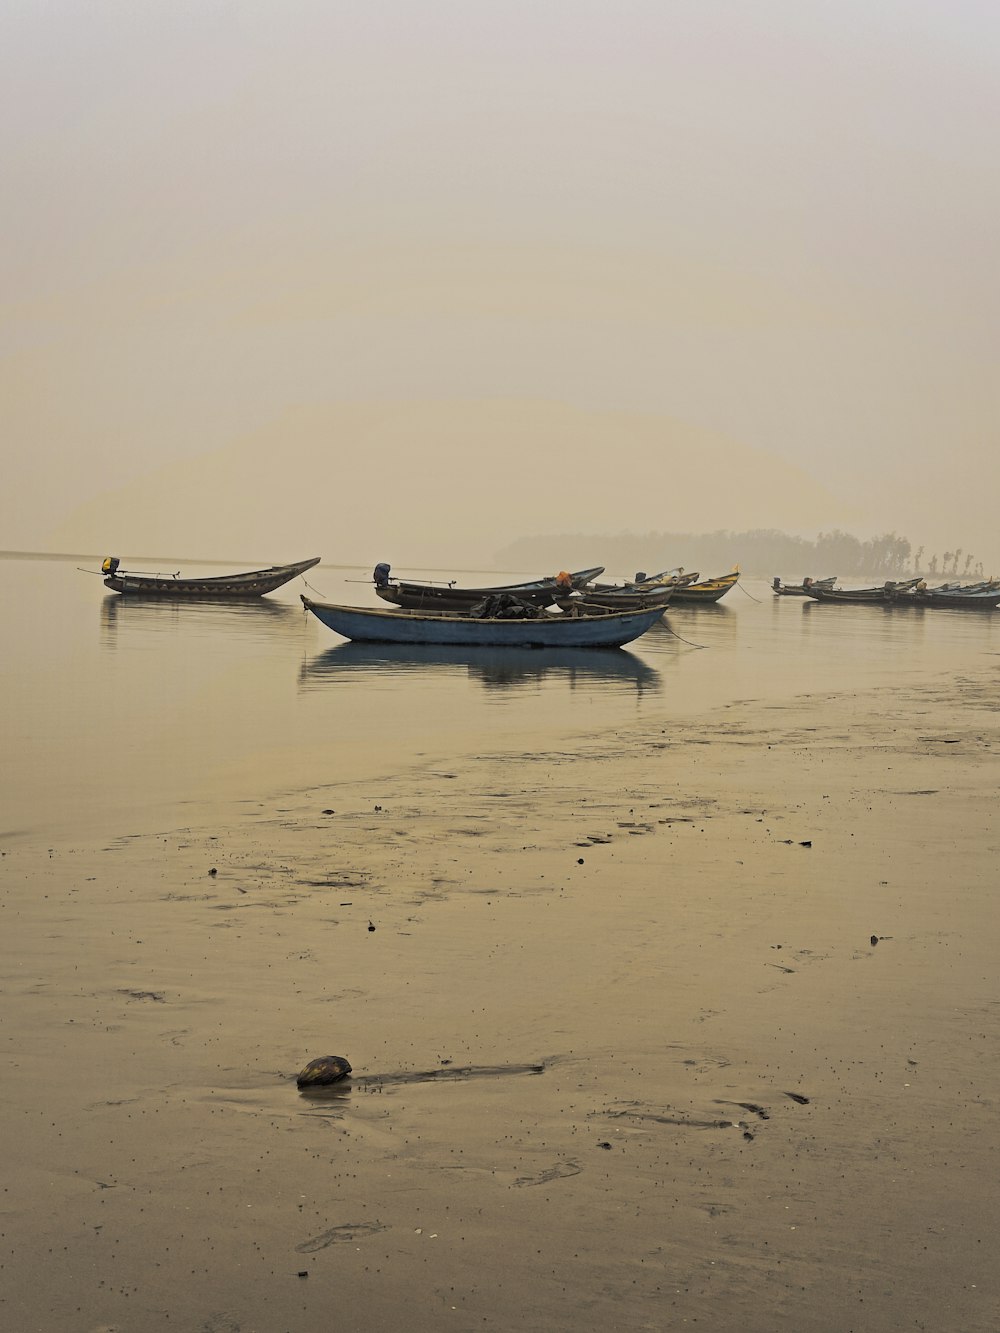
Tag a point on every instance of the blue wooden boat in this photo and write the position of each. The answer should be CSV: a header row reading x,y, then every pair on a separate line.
x,y
548,630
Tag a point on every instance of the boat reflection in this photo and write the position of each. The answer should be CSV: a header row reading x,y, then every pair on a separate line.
x,y
493,668
158,617
708,626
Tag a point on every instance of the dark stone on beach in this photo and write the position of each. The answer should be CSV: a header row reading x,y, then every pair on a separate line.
x,y
805,844
797,1097
213,871
579,860
329,812
371,925
323,1071
874,941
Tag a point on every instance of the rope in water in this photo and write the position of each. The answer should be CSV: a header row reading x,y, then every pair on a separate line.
x,y
749,594
681,636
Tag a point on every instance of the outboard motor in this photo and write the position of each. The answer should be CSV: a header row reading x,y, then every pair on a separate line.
x,y
381,575
640,576
109,565
777,584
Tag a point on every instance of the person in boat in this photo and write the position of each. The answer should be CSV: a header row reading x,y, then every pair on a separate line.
x,y
381,575
564,581
807,582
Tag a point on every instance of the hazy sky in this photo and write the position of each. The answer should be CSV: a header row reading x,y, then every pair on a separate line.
x,y
408,278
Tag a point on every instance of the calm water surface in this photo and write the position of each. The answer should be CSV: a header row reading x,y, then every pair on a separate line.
x,y
119,715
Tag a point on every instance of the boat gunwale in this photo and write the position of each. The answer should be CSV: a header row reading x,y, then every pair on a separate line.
x,y
450,617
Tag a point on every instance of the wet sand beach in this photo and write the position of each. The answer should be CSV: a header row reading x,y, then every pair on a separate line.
x,y
661,1027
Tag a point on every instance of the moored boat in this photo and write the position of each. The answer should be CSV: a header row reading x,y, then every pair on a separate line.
x,y
982,599
253,583
601,629
667,578
625,598
417,595
801,589
708,591
889,594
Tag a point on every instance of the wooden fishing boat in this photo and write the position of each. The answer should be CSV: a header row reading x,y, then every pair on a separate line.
x,y
226,587
889,594
667,578
985,586
646,583
708,591
627,597
420,596
601,629
985,599
801,589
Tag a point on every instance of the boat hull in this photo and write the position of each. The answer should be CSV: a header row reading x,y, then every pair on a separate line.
x,y
226,587
801,589
608,630
854,597
889,594
957,601
431,597
709,591
617,599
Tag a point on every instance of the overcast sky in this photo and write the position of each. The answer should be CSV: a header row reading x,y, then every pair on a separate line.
x,y
409,278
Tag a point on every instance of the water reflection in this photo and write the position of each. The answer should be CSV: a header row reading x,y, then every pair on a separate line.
x,y
492,668
686,620
886,630
146,616
863,625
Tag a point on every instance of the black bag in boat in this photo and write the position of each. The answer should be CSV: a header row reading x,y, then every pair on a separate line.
x,y
504,606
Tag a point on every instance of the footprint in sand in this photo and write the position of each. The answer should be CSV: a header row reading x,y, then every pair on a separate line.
x,y
345,1232
220,1323
561,1171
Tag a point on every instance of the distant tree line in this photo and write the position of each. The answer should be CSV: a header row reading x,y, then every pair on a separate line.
x,y
764,552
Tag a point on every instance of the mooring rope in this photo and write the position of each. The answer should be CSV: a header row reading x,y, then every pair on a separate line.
x,y
749,594
681,636
311,588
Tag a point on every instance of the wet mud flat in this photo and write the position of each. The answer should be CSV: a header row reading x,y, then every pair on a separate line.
x,y
664,1027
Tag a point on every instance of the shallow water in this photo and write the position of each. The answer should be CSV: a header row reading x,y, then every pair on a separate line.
x,y
119,715
643,993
